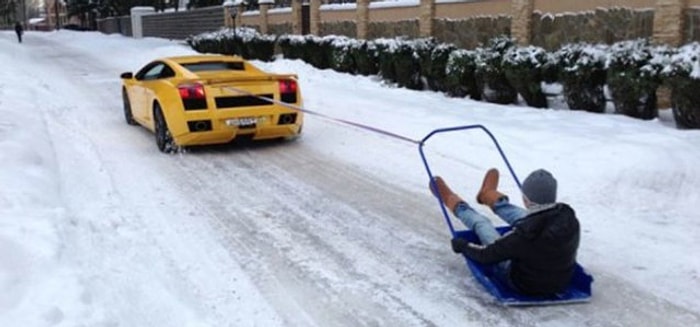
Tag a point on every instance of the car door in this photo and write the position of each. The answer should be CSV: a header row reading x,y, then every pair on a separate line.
x,y
138,91
151,81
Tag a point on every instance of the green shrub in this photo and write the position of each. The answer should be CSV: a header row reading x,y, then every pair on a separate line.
x,y
366,58
318,51
342,59
523,68
682,74
435,68
490,77
582,75
460,79
633,78
385,61
292,46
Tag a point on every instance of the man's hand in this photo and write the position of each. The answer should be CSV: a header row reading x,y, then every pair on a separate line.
x,y
458,244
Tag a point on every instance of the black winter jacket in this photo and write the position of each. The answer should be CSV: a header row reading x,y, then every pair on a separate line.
x,y
542,249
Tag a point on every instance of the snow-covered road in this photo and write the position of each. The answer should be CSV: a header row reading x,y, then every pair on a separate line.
x,y
334,229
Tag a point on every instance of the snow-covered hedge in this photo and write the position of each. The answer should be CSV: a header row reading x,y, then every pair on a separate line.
x,y
243,41
498,71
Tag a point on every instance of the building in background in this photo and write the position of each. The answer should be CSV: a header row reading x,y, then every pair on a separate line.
x,y
55,11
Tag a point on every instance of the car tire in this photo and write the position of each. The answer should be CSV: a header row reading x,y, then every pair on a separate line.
x,y
164,139
128,116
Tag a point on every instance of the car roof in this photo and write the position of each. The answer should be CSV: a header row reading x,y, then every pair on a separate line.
x,y
200,58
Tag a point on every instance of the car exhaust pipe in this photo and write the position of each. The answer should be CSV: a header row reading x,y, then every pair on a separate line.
x,y
199,125
287,119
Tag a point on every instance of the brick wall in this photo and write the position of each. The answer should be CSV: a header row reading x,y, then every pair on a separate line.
x,y
602,25
466,24
470,33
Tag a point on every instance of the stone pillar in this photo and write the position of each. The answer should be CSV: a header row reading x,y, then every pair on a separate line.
x,y
239,15
362,18
136,20
264,7
228,21
296,17
521,21
427,17
669,21
315,19
669,18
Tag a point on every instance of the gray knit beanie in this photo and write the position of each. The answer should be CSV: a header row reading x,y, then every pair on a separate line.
x,y
540,187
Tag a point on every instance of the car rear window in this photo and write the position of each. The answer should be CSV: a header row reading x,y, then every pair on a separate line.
x,y
213,66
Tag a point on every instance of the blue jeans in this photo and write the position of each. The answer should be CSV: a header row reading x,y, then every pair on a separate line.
x,y
485,230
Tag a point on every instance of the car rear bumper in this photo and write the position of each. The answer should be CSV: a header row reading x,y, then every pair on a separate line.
x,y
215,129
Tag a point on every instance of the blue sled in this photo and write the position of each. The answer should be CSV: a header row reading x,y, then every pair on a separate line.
x,y
579,289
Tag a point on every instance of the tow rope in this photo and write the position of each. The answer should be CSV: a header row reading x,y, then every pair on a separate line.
x,y
324,116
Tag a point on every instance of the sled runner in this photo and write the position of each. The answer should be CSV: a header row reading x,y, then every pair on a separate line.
x,y
579,289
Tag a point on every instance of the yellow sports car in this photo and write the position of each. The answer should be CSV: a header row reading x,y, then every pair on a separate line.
x,y
209,99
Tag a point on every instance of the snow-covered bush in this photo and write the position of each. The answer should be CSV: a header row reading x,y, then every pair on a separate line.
x,y
366,58
292,46
581,71
523,67
242,41
319,51
682,74
634,74
400,60
342,59
460,78
490,77
434,69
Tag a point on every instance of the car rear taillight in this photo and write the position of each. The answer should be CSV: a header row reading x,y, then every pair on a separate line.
x,y
193,96
191,91
288,90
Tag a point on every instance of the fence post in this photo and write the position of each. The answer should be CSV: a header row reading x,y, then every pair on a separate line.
x,y
315,19
669,19
264,7
362,18
427,17
521,21
296,17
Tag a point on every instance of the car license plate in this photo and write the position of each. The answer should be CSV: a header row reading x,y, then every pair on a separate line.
x,y
242,122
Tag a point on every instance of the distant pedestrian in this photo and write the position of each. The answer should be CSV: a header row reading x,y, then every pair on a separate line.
x,y
19,30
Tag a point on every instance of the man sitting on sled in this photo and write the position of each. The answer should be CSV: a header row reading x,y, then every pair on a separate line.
x,y
538,256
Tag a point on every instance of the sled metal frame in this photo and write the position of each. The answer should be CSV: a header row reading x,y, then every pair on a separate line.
x,y
578,291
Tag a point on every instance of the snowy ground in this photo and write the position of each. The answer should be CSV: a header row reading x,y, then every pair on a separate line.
x,y
97,228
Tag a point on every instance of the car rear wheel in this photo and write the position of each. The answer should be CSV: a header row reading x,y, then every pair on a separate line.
x,y
128,116
164,140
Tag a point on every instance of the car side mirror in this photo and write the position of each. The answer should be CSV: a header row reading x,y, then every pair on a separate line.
x,y
127,75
